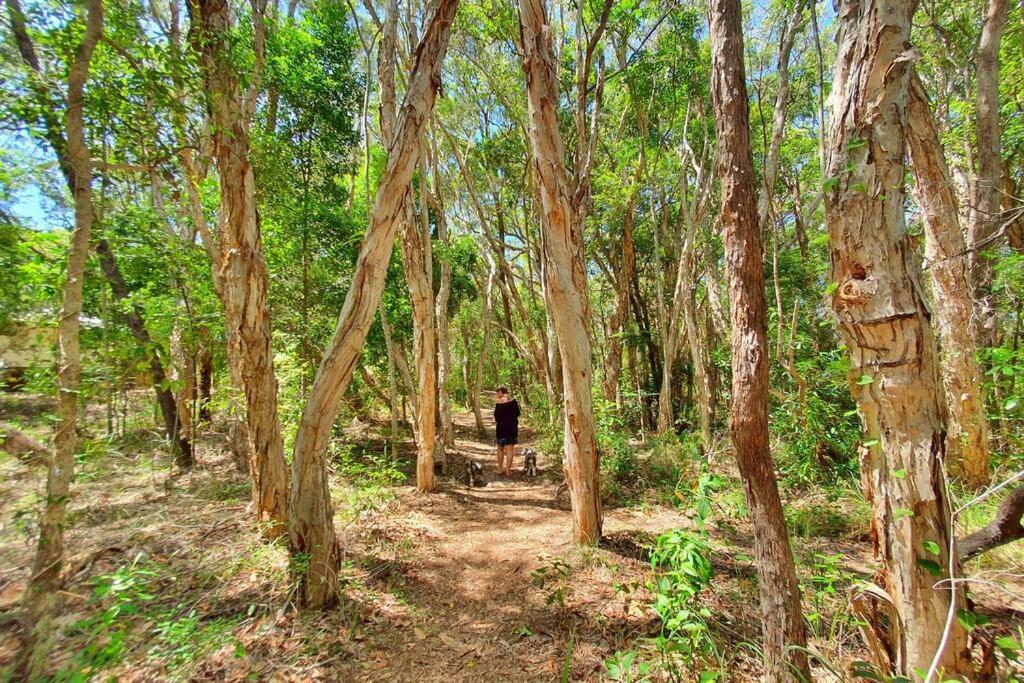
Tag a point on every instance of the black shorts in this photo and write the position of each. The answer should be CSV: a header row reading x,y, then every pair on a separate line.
x,y
506,441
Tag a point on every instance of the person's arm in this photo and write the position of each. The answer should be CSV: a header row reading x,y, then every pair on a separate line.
x,y
518,412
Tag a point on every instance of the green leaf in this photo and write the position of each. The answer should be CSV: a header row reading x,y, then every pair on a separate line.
x,y
829,184
1007,643
856,143
967,619
899,474
871,442
900,513
858,187
932,547
1010,403
930,566
865,379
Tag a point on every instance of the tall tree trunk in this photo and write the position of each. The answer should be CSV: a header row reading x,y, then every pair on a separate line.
x,y
699,358
416,259
444,353
241,264
985,224
42,598
418,265
183,375
205,363
627,265
564,271
180,446
485,322
893,372
967,438
784,637
311,524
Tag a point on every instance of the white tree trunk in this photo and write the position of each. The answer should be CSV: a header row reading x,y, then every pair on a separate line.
x,y
564,272
967,438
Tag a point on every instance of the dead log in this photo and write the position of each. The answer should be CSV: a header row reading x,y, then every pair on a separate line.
x,y
1005,528
22,446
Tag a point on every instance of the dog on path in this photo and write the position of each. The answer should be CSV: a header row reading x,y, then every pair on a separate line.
x,y
474,473
530,465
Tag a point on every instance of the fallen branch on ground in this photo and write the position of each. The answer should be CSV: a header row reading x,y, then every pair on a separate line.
x,y
23,447
1005,528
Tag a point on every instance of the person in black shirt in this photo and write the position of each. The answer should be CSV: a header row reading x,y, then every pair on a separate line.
x,y
506,428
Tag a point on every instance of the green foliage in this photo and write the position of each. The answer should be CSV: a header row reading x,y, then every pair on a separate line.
x,y
624,667
552,577
118,596
683,569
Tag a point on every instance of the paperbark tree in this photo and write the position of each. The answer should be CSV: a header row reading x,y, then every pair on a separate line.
x,y
311,523
240,264
783,624
884,321
42,598
417,261
967,439
444,355
564,272
985,224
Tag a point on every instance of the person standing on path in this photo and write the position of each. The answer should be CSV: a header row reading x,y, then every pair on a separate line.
x,y
506,428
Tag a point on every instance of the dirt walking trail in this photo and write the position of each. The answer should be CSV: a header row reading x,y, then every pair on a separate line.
x,y
470,609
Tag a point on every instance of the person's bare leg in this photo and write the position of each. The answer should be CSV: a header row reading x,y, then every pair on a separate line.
x,y
511,451
501,459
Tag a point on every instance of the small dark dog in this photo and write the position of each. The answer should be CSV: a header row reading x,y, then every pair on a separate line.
x,y
531,462
474,473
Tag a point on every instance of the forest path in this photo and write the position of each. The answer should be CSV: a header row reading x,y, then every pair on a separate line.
x,y
468,608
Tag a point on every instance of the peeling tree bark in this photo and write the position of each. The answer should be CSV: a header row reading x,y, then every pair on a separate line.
x,y
967,439
416,259
444,354
985,224
311,523
564,271
883,318
784,639
41,598
242,268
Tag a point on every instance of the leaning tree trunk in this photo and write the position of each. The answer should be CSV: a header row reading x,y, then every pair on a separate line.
x,y
241,264
784,637
884,320
967,437
564,272
311,523
41,597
